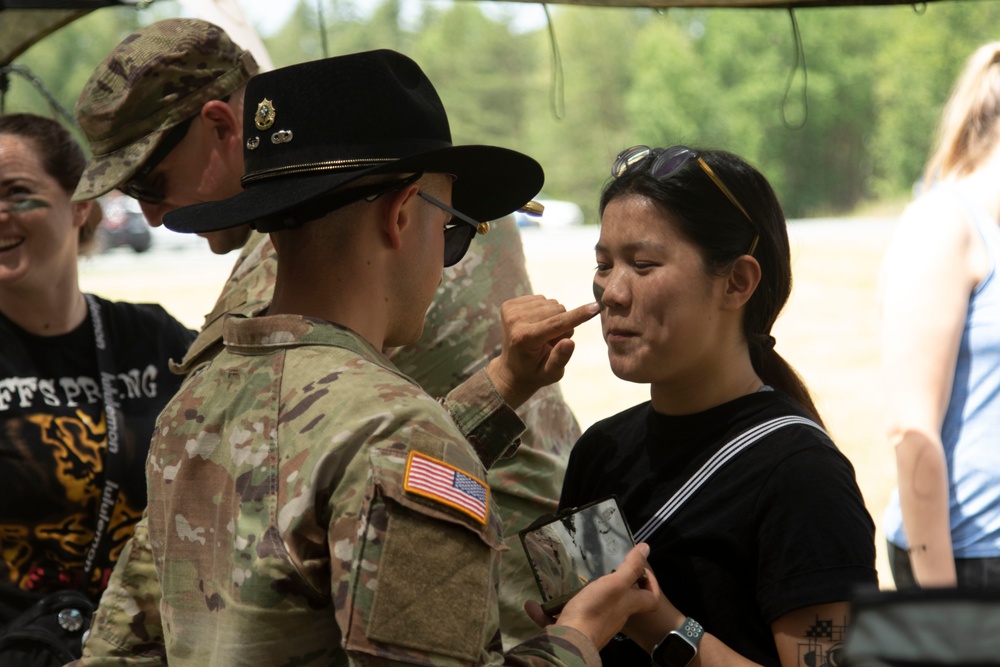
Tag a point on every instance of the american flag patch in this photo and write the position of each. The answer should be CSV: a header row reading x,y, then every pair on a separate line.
x,y
437,480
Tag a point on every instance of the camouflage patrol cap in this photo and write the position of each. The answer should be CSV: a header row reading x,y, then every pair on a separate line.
x,y
153,80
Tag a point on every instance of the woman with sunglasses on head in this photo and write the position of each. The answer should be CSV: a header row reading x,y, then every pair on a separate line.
x,y
70,468
758,563
940,299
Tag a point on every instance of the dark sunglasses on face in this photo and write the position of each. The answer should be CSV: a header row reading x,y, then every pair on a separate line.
x,y
669,161
458,234
137,187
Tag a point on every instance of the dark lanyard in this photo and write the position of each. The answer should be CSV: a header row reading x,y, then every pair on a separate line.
x,y
113,460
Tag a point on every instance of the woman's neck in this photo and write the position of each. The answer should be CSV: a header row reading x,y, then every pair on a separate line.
x,y
49,310
728,379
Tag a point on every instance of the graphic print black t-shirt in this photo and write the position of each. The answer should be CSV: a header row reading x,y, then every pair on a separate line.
x,y
53,437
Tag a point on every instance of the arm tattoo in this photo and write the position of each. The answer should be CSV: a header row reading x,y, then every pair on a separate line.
x,y
824,644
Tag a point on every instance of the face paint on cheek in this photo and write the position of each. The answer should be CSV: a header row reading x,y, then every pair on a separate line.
x,y
598,294
28,205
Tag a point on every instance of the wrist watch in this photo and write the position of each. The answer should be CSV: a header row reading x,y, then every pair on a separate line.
x,y
680,646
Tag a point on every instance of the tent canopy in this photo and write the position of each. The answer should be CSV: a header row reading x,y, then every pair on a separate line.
x,y
26,22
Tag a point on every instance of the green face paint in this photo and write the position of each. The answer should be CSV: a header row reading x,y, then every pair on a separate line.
x,y
28,205
598,294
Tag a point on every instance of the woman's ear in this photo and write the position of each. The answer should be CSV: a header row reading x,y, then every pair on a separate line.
x,y
81,212
742,282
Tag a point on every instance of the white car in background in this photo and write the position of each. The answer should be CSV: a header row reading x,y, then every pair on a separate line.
x,y
556,213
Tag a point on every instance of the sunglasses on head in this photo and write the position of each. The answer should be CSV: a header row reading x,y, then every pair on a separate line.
x,y
137,187
669,161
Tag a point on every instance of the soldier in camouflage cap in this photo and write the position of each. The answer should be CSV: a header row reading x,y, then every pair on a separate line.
x,y
460,332
310,504
138,112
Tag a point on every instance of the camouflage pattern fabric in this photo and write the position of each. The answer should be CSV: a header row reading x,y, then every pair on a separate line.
x,y
461,333
247,291
153,80
283,528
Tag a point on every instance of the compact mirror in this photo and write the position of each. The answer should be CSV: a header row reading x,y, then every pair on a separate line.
x,y
569,550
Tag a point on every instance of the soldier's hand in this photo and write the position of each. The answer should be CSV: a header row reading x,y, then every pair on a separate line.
x,y
601,609
537,345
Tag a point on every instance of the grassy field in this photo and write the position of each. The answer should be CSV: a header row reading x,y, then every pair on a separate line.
x,y
828,331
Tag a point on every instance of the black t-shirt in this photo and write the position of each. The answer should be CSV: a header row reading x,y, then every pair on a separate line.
x,y
782,526
53,439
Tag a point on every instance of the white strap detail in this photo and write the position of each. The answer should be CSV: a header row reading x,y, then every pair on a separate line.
x,y
729,451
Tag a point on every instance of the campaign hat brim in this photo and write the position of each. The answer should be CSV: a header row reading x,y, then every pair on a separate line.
x,y
491,182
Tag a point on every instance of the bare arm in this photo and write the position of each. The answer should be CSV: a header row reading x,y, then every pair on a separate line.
x,y
647,630
811,635
804,637
928,274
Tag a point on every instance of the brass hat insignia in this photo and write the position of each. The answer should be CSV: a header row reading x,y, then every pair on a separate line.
x,y
264,118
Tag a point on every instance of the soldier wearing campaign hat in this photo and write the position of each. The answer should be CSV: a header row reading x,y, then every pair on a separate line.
x,y
309,503
163,115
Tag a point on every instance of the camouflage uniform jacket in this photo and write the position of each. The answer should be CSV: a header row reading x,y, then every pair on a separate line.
x,y
291,520
461,333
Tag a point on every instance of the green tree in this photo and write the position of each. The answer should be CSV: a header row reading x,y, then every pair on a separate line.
x,y
916,67
576,131
344,30
481,71
877,79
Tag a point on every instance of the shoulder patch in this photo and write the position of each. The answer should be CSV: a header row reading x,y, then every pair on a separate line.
x,y
443,482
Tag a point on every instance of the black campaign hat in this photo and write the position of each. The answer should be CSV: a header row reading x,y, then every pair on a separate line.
x,y
313,127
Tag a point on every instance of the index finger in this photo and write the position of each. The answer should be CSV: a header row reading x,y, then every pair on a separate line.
x,y
565,322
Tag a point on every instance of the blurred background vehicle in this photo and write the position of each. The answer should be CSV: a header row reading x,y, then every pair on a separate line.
x,y
557,213
123,224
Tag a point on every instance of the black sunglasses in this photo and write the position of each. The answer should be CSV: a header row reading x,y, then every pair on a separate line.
x,y
137,187
459,233
667,162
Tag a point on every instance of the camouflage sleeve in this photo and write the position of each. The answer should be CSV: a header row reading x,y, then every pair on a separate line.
x,y
462,332
557,645
126,630
415,572
490,425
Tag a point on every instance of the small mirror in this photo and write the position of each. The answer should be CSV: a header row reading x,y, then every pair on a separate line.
x,y
569,550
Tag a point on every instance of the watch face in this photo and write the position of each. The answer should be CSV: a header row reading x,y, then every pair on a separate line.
x,y
674,651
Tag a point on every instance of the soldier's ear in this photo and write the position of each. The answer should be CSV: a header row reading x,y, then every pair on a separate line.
x,y
396,211
222,120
